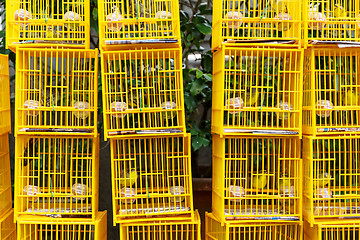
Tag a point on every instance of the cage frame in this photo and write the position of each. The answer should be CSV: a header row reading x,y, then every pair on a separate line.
x,y
115,127
150,208
220,85
5,175
28,124
97,225
13,40
7,226
309,206
219,39
225,202
310,41
179,224
215,230
108,39
29,204
313,231
5,107
338,114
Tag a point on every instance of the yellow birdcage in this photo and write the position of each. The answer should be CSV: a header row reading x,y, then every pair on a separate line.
x,y
142,91
255,231
56,176
331,101
5,176
331,177
143,21
47,228
345,229
56,91
169,230
331,21
151,178
47,23
257,90
7,226
257,178
254,21
5,114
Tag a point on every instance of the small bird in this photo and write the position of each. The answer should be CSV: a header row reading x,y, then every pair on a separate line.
x,y
322,180
52,33
350,98
128,179
279,5
251,98
259,181
339,11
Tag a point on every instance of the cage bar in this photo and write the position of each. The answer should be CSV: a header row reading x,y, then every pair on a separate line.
x,y
331,21
151,177
5,176
333,229
143,91
257,90
7,226
331,91
254,22
331,177
169,230
257,178
143,21
47,228
5,112
214,230
56,91
56,176
45,23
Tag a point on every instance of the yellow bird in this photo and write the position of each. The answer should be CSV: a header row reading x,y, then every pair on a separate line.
x,y
279,5
322,180
251,98
339,11
128,179
52,33
259,181
350,98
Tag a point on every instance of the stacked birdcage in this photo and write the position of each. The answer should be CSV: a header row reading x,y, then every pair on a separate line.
x,y
330,119
256,120
144,119
7,226
56,141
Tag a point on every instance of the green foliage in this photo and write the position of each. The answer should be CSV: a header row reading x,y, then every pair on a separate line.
x,y
195,28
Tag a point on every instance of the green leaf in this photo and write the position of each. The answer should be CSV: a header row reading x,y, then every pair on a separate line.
x,y
208,77
204,28
95,13
202,7
207,63
197,87
199,73
198,142
190,102
190,37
